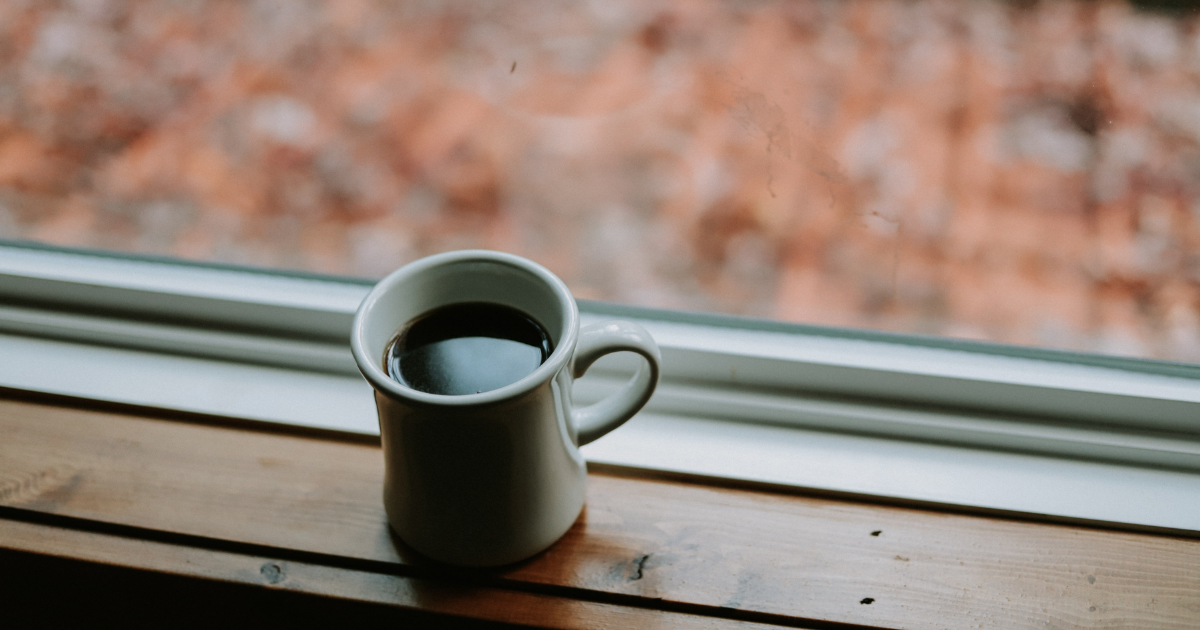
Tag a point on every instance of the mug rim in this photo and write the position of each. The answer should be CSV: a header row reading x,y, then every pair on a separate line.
x,y
384,384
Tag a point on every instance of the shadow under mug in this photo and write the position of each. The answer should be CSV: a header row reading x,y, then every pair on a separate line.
x,y
491,478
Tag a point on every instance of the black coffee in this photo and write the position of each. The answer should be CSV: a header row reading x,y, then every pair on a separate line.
x,y
467,348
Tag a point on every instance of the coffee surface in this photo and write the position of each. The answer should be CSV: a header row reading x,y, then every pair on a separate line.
x,y
467,348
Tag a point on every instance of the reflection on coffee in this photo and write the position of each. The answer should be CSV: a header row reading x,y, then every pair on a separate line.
x,y
467,348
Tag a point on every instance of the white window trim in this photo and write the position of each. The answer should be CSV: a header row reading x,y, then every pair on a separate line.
x,y
978,426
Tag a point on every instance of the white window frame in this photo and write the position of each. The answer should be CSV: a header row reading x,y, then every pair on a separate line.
x,y
919,420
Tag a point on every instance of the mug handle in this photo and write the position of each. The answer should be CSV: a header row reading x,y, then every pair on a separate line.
x,y
595,341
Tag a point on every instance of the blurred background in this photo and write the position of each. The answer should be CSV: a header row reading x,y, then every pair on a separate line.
x,y
1024,172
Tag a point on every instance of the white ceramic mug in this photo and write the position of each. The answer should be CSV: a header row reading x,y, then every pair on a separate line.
x,y
495,477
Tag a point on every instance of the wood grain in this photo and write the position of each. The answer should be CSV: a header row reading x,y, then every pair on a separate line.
x,y
712,549
431,596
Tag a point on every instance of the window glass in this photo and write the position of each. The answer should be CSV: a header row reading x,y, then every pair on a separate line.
x,y
1024,172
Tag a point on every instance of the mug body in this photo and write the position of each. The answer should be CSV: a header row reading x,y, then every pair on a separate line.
x,y
481,479
481,487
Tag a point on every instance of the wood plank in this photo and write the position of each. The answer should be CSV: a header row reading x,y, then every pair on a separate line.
x,y
431,596
686,544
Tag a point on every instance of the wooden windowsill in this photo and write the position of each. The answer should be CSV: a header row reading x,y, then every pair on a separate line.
x,y
302,514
